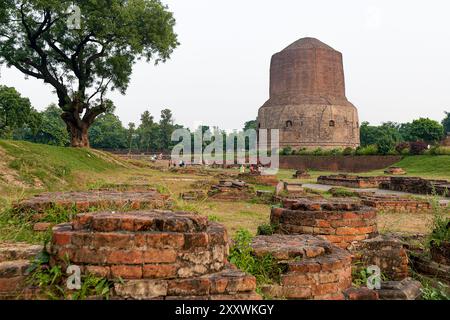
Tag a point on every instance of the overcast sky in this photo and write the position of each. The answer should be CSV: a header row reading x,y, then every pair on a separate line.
x,y
396,59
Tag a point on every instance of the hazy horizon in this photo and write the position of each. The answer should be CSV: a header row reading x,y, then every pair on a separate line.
x,y
395,60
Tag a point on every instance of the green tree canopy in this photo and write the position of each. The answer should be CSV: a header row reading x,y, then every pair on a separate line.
x,y
426,130
446,122
371,135
83,63
252,124
16,112
52,129
148,133
107,132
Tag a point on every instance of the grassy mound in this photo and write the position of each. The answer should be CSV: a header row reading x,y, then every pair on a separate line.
x,y
426,166
26,167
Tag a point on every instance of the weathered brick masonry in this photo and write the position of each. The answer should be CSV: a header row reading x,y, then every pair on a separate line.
x,y
350,181
385,251
313,268
161,254
339,221
231,190
82,201
417,185
397,204
15,260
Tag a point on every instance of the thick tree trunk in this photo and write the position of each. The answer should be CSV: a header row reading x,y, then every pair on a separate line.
x,y
79,137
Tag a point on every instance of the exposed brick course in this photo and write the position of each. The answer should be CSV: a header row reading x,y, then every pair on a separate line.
x,y
314,268
396,203
339,221
385,251
417,185
161,254
351,181
15,261
83,201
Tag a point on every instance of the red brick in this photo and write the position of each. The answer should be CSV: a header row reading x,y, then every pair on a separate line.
x,y
113,240
326,288
11,285
159,256
158,271
187,287
61,238
297,292
165,239
126,272
126,257
98,271
195,240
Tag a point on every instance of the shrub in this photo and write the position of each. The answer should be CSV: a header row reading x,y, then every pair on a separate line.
x,y
385,144
286,151
440,226
440,151
418,147
348,151
367,151
266,230
402,147
336,152
439,292
52,282
318,152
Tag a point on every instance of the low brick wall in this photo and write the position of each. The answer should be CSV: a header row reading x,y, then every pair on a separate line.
x,y
83,201
338,163
313,268
396,204
160,255
417,185
340,222
350,181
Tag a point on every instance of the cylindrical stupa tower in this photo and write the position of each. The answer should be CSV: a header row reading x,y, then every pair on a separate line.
x,y
307,98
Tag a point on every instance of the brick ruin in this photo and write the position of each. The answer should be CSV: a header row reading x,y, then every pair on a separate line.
x,y
159,254
417,185
312,268
339,221
301,174
396,203
15,260
83,201
396,171
193,195
385,251
435,261
231,190
351,181
290,189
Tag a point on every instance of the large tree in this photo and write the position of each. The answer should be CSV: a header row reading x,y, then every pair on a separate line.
x,y
85,62
427,130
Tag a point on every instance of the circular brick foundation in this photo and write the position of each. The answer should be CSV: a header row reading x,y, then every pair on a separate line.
x,y
314,268
339,221
159,252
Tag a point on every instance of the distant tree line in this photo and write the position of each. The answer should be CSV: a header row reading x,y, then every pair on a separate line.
x,y
19,120
413,137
